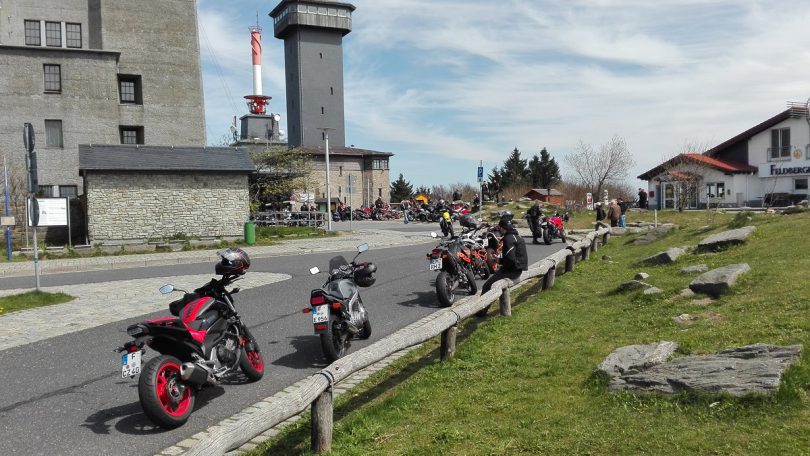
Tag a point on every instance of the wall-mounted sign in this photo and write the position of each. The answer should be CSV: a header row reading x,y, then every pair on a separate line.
x,y
790,168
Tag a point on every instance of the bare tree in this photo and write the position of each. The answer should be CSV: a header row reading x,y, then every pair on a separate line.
x,y
610,165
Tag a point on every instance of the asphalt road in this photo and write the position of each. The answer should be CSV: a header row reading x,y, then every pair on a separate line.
x,y
65,395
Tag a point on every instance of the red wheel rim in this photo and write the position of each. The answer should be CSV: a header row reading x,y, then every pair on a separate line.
x,y
256,360
167,386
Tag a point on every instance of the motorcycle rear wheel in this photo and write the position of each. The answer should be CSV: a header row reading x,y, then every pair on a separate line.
x,y
473,287
365,332
159,391
335,341
445,289
562,236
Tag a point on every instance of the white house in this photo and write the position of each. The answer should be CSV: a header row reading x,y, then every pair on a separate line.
x,y
766,165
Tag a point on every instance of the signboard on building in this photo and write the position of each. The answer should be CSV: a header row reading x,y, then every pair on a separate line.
x,y
787,168
52,212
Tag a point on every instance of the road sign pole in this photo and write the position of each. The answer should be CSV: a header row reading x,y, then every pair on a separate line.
x,y
481,187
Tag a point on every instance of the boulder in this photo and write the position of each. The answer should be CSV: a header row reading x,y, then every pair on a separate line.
x,y
695,268
752,369
666,257
653,290
653,235
632,285
719,281
641,276
634,358
684,318
725,239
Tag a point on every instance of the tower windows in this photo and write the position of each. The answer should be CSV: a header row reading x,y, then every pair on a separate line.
x,y
32,34
131,135
321,54
129,89
53,34
331,90
73,35
53,133
53,78
322,110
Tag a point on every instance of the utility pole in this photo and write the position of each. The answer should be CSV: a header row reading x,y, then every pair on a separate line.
x,y
33,188
326,131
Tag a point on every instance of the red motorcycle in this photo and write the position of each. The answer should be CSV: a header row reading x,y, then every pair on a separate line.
x,y
552,227
204,342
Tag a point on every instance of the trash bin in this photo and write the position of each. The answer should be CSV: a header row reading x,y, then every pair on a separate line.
x,y
250,233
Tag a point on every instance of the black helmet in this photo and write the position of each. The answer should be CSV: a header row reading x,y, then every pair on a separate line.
x,y
506,224
507,215
364,274
467,221
233,262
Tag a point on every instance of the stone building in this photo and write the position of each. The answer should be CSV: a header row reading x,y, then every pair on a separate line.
x,y
313,32
135,193
97,72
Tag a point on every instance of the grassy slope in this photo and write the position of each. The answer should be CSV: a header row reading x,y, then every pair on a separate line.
x,y
526,384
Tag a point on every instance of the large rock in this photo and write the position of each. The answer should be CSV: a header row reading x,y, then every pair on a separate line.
x,y
631,285
695,268
725,239
634,358
666,257
719,281
753,369
653,235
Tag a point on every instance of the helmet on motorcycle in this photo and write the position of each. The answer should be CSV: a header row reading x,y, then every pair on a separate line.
x,y
364,274
232,262
467,221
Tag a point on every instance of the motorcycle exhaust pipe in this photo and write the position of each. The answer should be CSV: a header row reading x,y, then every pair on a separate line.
x,y
195,374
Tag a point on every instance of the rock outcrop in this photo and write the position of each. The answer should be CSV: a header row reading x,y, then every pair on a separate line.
x,y
719,281
725,239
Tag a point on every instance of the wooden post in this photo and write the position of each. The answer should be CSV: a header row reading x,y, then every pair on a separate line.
x,y
322,423
606,238
586,252
595,245
506,303
570,262
548,279
448,347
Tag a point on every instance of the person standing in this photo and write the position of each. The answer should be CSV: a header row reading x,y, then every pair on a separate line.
x,y
456,195
642,198
623,207
614,213
406,208
533,216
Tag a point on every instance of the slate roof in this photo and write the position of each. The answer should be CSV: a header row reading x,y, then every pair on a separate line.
x,y
108,157
348,151
544,192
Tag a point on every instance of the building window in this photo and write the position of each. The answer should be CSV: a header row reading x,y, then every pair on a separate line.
x,y
331,90
321,54
322,111
68,191
131,135
53,34
379,163
129,88
341,170
780,144
32,33
53,78
379,192
73,35
53,133
800,185
323,136
716,190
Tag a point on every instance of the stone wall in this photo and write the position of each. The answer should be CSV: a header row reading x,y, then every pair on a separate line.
x,y
135,206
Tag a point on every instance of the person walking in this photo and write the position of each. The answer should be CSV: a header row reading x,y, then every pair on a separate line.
x,y
614,213
533,216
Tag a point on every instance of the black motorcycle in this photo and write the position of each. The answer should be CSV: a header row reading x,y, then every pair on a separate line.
x,y
338,314
454,261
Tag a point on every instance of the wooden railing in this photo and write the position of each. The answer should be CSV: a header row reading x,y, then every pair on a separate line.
x,y
315,391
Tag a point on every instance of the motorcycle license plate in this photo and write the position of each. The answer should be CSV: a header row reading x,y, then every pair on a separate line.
x,y
320,314
435,264
130,364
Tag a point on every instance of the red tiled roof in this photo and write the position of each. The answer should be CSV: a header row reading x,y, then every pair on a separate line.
x,y
722,165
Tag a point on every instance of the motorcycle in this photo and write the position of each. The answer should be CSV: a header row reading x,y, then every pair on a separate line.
x,y
477,242
203,343
454,262
552,227
446,222
338,314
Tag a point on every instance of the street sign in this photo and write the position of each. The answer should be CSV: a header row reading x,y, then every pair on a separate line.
x,y
7,221
480,174
589,201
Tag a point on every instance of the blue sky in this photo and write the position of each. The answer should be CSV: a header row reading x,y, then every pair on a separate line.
x,y
444,84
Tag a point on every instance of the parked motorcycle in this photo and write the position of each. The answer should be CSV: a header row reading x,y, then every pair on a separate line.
x,y
552,228
204,342
338,314
446,223
472,237
453,259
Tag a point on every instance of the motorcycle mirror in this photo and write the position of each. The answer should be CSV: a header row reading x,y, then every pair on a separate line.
x,y
314,270
433,234
166,289
362,248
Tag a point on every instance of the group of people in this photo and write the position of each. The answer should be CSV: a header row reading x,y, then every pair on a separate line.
x,y
615,212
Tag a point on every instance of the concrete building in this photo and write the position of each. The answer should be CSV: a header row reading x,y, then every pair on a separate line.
x,y
97,72
766,165
313,32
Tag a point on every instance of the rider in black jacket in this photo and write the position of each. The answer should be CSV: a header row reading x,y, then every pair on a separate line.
x,y
514,259
533,216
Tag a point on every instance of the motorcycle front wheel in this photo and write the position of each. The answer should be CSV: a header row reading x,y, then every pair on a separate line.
x,y
165,398
251,361
547,236
445,289
473,287
335,341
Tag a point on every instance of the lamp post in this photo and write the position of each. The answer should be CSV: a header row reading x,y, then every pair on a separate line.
x,y
326,131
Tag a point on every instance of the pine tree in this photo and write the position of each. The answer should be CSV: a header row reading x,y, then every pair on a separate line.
x,y
544,171
400,189
514,171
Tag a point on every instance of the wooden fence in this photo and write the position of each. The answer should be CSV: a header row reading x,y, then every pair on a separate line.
x,y
316,390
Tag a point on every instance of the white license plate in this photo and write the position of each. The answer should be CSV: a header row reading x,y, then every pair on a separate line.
x,y
320,314
435,264
130,364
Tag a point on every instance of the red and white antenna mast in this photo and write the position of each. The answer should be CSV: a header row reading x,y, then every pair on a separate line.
x,y
257,102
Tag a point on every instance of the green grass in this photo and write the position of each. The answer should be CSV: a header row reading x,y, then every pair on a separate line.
x,y
527,384
30,300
